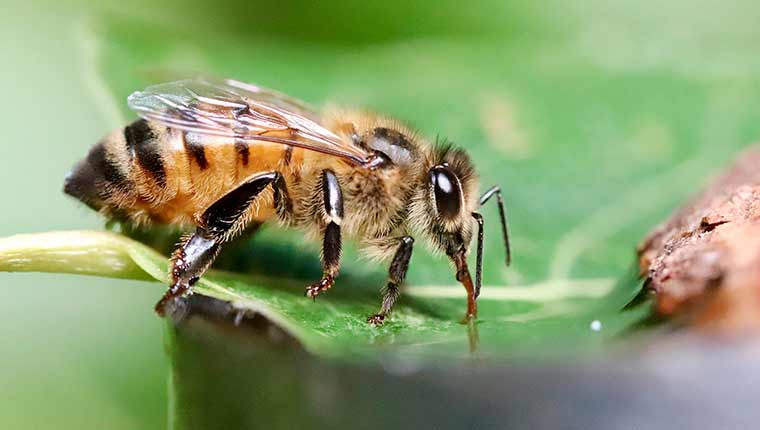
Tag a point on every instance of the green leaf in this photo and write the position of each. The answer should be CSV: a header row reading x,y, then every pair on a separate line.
x,y
514,319
593,136
596,117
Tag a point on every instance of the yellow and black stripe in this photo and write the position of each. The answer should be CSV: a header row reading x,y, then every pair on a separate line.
x,y
114,173
150,173
143,146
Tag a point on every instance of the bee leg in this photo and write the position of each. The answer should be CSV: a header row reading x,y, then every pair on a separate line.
x,y
396,275
332,198
218,224
188,263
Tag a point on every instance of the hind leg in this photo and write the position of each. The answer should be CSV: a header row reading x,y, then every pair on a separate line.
x,y
218,224
188,263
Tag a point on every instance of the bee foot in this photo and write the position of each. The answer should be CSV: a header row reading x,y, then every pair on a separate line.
x,y
160,307
168,300
376,320
313,290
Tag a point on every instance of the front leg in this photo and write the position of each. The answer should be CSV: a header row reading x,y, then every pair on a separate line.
x,y
396,275
332,199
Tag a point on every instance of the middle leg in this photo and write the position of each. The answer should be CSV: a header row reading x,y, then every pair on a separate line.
x,y
332,200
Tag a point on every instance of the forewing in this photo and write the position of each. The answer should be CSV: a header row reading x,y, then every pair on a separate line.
x,y
229,108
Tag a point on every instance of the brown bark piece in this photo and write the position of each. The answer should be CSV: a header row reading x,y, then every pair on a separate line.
x,y
704,262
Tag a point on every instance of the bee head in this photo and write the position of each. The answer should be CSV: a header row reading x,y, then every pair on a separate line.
x,y
447,199
444,207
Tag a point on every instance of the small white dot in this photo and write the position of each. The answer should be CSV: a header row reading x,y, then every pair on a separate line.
x,y
596,325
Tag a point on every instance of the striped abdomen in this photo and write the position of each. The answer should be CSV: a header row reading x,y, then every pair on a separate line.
x,y
148,173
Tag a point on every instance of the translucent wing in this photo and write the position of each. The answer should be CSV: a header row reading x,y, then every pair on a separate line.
x,y
229,108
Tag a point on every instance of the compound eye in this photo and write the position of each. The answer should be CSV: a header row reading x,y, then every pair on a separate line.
x,y
447,191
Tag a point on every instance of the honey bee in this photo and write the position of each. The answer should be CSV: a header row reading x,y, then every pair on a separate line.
x,y
222,155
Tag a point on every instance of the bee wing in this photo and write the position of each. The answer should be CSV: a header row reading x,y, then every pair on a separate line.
x,y
228,108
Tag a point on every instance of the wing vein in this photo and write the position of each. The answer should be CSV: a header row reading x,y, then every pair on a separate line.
x,y
228,108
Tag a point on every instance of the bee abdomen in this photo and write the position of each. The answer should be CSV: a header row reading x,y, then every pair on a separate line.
x,y
241,147
94,179
125,167
143,146
196,149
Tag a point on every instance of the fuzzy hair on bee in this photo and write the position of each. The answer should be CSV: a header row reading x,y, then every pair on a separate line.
x,y
221,155
447,232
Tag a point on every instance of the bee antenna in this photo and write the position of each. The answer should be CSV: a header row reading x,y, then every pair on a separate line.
x,y
479,255
503,215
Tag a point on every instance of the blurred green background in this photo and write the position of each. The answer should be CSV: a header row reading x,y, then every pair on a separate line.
x,y
616,93
76,352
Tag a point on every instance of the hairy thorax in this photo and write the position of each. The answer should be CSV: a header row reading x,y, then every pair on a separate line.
x,y
376,201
